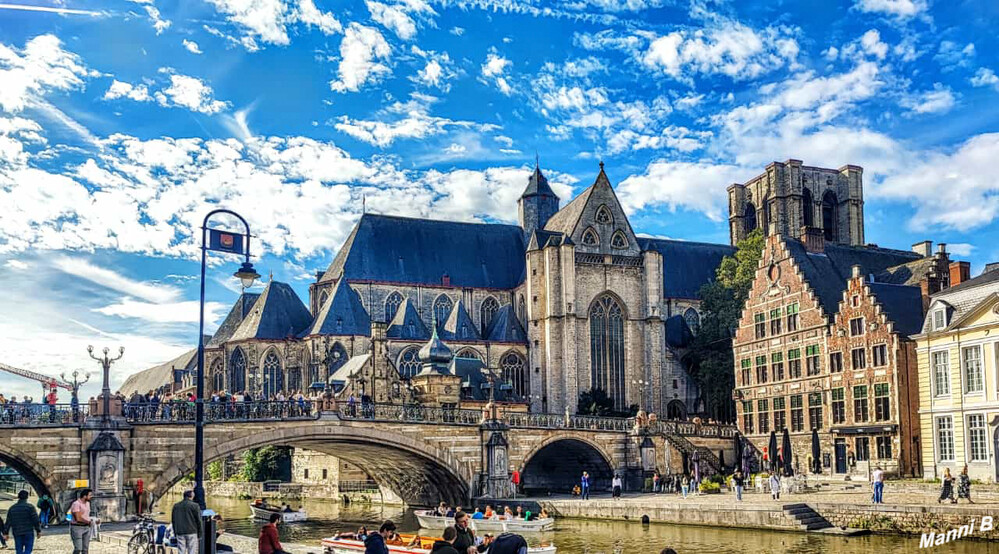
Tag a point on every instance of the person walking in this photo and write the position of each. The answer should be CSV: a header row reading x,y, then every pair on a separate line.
x,y
655,482
187,525
739,481
774,486
684,485
46,508
584,484
80,522
466,543
617,484
878,483
375,542
268,542
446,544
947,492
963,485
22,522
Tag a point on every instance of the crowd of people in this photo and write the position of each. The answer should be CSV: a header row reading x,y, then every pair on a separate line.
x,y
13,411
458,538
488,513
168,406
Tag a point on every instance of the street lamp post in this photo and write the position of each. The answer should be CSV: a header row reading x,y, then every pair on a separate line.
x,y
106,389
75,385
224,242
641,384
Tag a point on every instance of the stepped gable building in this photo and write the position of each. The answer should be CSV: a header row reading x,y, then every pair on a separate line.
x,y
823,344
567,301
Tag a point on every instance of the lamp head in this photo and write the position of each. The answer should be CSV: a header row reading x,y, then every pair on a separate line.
x,y
247,275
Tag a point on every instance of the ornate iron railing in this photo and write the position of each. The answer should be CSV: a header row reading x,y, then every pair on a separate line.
x,y
41,415
556,421
411,413
183,412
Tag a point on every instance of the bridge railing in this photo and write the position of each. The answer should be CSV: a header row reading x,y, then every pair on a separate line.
x,y
529,420
691,429
184,412
410,413
41,415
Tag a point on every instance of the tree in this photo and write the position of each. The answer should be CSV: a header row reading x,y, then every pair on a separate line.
x,y
267,463
711,359
214,470
594,402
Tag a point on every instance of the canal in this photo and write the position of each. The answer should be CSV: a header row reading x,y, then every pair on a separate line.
x,y
589,536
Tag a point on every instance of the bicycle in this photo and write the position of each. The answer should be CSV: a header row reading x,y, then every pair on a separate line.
x,y
143,539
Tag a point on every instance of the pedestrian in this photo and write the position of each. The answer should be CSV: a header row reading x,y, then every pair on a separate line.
x,y
616,484
963,485
465,543
774,486
375,542
685,485
948,488
446,544
655,482
22,522
80,522
268,542
739,481
584,483
878,483
508,543
187,525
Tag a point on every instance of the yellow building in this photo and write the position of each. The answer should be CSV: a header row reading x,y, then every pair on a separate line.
x,y
958,357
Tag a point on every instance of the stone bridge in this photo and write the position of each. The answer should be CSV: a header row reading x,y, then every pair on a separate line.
x,y
425,455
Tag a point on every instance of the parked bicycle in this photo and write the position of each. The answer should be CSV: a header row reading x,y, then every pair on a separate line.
x,y
143,539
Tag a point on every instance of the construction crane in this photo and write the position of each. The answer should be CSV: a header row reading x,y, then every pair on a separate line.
x,y
48,383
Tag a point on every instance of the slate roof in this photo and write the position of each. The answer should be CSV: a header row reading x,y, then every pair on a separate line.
x,y
541,238
902,303
459,326
909,273
407,324
348,369
687,266
505,326
158,376
277,314
964,298
537,185
402,250
678,333
231,322
564,220
342,314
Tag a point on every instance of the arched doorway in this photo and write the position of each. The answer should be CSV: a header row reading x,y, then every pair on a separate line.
x,y
829,216
676,410
557,467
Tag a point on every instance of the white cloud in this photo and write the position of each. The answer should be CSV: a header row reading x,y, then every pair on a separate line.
x,y
121,89
40,67
171,312
191,93
985,77
362,52
398,17
898,8
407,120
493,72
79,268
960,248
698,186
438,72
159,23
952,55
939,100
872,44
16,265
192,46
268,20
312,16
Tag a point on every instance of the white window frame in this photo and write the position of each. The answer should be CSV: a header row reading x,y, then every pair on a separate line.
x,y
937,436
935,377
965,376
940,313
984,428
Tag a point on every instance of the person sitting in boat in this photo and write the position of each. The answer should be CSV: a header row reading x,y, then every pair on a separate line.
x,y
478,514
507,514
441,509
489,512
520,513
449,512
446,543
544,513
360,535
417,541
375,542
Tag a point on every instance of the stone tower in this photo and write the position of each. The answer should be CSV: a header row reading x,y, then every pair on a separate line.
x,y
789,196
537,205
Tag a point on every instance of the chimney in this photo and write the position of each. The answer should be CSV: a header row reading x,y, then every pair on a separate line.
x,y
991,266
813,239
924,248
959,272
942,248
929,285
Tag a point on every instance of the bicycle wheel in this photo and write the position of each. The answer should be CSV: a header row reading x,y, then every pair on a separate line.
x,y
139,544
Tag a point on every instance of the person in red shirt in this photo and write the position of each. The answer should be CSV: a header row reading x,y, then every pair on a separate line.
x,y
268,542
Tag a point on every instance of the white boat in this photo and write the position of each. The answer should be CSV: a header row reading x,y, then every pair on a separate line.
x,y
428,520
264,513
337,545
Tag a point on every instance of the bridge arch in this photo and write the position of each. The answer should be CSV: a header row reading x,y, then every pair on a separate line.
x,y
557,463
422,475
34,473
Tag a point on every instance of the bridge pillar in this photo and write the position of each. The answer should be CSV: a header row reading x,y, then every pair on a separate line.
x,y
107,469
497,460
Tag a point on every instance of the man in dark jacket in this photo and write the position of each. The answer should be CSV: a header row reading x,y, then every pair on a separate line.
x,y
375,543
186,519
465,543
446,546
22,522
509,543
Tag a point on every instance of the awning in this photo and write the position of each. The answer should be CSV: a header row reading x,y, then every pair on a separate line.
x,y
865,430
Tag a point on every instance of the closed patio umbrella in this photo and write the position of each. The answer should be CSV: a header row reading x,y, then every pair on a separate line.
x,y
816,464
786,448
772,451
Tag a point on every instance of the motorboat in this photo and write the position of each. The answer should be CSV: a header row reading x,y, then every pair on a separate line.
x,y
264,511
428,520
350,545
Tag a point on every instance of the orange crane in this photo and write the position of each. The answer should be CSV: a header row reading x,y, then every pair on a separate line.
x,y
48,383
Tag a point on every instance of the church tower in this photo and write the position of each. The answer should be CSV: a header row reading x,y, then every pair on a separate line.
x,y
537,205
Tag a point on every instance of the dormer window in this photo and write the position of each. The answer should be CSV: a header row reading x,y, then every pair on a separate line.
x,y
590,237
604,215
618,240
939,319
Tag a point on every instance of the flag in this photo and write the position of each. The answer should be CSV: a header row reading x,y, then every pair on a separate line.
x,y
225,241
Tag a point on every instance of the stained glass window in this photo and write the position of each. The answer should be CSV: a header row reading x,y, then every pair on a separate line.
x,y
607,349
273,378
237,371
515,372
409,362
392,305
487,312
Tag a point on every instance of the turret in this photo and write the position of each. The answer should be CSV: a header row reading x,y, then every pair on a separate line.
x,y
537,205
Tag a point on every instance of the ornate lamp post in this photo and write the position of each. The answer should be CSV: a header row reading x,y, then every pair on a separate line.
x,y
221,241
641,384
75,385
105,362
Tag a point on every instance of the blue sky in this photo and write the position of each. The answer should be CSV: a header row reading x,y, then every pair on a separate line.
x,y
122,124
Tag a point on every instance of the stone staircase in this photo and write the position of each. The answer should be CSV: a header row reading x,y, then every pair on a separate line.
x,y
705,455
805,517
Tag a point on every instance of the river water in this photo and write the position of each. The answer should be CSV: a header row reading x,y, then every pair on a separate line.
x,y
590,536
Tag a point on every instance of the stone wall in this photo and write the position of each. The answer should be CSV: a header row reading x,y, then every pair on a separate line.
x,y
910,520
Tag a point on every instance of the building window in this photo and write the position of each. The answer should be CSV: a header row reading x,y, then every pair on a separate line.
x,y
945,439
306,473
792,317
237,371
807,208
812,366
815,410
762,415
835,362
860,410
760,325
392,304
797,414
775,322
217,376
939,320
273,379
442,310
692,319
829,216
295,380
469,353
619,241
794,363
856,327
522,310
971,357
858,360
777,366
855,300
604,215
780,416
761,369
839,406
747,417
863,449
409,362
882,403
590,237
487,312
879,355
515,372
335,358
607,349
976,438
941,372
747,370
884,447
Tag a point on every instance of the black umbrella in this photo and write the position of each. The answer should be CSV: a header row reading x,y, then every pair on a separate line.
x,y
772,452
816,464
786,453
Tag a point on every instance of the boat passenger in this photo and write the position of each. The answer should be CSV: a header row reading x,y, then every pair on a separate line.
x,y
466,536
446,544
520,513
477,514
287,509
507,513
544,513
489,512
450,512
375,542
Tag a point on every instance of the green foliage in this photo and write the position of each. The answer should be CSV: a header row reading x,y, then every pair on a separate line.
x,y
709,487
717,478
214,470
722,300
595,402
267,463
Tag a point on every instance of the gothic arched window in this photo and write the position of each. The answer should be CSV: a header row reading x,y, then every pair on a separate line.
x,y
522,310
323,296
619,241
765,222
237,371
693,320
409,362
607,349
273,378
515,372
392,305
218,376
295,380
807,208
487,312
829,205
442,309
335,358
749,218
604,215
590,237
469,353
